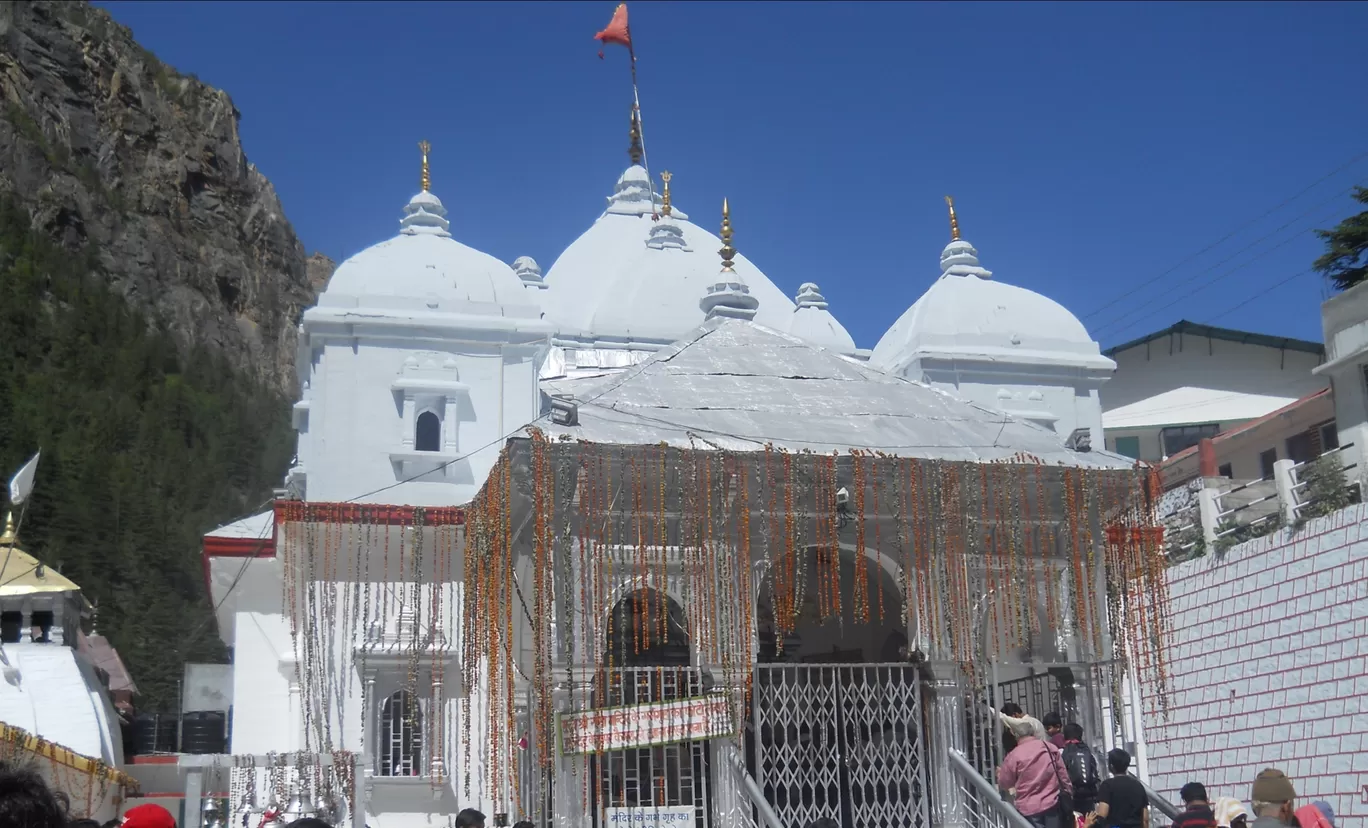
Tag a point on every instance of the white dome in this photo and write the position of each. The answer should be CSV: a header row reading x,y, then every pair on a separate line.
x,y
424,264
967,315
631,277
812,322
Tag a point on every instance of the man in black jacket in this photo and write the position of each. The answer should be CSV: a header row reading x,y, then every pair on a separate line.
x,y
1081,765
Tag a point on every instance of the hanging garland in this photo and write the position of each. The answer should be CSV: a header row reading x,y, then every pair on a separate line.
x,y
686,525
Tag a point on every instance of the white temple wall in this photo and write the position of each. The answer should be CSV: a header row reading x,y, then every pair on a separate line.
x,y
1071,401
265,713
1269,668
364,406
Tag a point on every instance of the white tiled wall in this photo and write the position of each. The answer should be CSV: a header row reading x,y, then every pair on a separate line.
x,y
1268,667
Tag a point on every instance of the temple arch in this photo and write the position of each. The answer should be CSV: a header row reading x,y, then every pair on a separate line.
x,y
819,635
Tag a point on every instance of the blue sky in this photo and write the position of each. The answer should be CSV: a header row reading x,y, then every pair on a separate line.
x,y
1095,151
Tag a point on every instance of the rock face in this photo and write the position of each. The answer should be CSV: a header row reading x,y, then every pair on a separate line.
x,y
116,153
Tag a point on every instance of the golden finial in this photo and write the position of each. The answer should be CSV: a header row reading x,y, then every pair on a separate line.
x,y
635,149
8,537
665,195
728,253
954,222
427,179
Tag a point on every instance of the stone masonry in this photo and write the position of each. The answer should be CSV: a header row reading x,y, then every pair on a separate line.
x,y
1269,668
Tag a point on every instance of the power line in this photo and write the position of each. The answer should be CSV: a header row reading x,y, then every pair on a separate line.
x,y
1128,320
1231,234
1263,292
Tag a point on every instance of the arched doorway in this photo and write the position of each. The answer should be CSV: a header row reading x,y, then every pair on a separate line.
x,y
647,655
839,730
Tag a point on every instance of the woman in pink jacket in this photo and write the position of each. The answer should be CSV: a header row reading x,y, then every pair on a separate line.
x,y
1034,774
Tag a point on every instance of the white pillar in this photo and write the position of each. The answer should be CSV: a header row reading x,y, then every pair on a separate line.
x,y
1284,480
947,733
194,790
450,426
1209,506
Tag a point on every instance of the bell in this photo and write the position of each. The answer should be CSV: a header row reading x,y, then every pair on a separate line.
x,y
212,815
294,809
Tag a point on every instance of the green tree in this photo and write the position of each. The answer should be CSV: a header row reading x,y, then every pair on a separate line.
x,y
145,448
1345,261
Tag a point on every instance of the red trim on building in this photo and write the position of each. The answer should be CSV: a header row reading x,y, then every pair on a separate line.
x,y
156,759
1243,427
297,511
218,546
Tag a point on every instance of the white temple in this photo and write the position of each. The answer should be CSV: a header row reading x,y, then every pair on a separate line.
x,y
421,359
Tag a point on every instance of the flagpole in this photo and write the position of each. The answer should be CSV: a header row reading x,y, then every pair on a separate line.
x,y
641,129
15,488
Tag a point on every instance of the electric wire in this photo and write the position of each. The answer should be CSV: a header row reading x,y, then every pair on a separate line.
x,y
1127,319
1346,165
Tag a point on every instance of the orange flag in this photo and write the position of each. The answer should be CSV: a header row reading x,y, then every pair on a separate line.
x,y
617,30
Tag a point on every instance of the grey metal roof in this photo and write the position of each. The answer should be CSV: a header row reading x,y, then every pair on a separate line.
x,y
736,386
1227,334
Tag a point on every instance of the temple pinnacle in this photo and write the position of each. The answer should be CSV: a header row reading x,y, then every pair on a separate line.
x,y
635,150
954,221
426,180
728,253
665,195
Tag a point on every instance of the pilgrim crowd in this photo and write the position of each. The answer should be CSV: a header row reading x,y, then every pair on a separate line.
x,y
1048,774
1053,780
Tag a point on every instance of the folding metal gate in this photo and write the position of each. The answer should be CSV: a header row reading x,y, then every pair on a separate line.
x,y
841,740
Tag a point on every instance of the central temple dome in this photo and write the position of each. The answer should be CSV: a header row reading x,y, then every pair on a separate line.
x,y
638,272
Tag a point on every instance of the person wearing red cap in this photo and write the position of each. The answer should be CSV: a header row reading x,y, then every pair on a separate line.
x,y
148,816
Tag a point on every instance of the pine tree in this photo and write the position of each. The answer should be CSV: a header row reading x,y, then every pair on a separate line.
x,y
1345,261
144,450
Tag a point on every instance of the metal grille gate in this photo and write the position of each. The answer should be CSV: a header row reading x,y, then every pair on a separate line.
x,y
843,741
663,776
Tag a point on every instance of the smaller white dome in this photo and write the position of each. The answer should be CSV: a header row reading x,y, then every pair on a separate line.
x,y
424,264
813,323
529,272
968,315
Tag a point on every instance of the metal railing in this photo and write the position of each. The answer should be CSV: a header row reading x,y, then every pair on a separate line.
x,y
1298,488
984,806
1159,803
1229,515
1183,530
748,789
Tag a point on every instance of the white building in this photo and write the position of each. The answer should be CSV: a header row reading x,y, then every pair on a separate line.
x,y
1344,319
1189,381
344,606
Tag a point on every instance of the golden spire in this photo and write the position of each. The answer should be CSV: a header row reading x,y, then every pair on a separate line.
x,y
727,252
8,538
665,196
954,221
427,179
635,149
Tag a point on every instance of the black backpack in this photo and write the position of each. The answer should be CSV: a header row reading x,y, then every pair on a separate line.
x,y
1081,765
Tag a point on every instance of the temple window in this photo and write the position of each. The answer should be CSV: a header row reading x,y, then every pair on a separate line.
x,y
427,433
401,735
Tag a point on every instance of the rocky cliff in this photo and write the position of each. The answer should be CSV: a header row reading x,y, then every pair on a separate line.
x,y
115,153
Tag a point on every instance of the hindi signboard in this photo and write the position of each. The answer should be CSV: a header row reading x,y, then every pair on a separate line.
x,y
646,725
666,816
